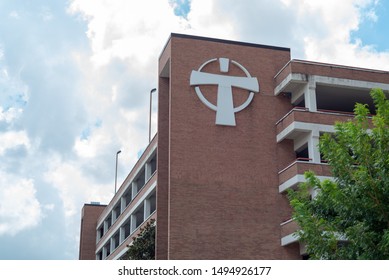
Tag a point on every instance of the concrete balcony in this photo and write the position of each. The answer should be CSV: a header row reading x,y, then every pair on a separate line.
x,y
137,202
300,121
288,230
342,84
293,174
123,247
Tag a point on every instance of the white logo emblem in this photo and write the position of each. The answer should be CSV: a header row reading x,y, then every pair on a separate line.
x,y
225,110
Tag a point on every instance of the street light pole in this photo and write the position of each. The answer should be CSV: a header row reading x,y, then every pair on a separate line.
x,y
116,168
151,98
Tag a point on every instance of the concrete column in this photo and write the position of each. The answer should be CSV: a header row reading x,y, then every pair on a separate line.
x,y
122,204
147,171
313,147
113,216
104,252
121,234
134,189
133,223
146,208
112,244
105,226
98,235
310,96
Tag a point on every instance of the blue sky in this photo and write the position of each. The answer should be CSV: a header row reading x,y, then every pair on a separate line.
x,y
75,78
372,28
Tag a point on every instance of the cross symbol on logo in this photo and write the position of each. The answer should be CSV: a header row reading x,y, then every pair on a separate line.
x,y
225,110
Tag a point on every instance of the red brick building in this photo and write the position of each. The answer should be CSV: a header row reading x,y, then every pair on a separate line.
x,y
90,214
238,124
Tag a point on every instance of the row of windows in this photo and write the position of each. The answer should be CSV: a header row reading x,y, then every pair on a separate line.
x,y
141,214
133,189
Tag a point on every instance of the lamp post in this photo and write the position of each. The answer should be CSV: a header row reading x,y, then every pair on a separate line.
x,y
116,168
151,99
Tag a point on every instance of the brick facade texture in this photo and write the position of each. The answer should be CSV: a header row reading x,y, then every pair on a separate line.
x,y
217,194
89,216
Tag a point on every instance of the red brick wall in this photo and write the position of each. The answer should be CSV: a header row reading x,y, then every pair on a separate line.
x,y
223,200
163,159
162,170
90,213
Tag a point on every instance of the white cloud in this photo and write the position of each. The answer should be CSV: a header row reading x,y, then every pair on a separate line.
x,y
13,139
333,42
354,54
46,14
314,30
372,15
325,27
209,18
14,15
89,176
120,29
19,207
14,93
74,187
10,114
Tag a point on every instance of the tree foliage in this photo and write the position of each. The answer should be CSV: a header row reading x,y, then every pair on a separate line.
x,y
143,245
349,217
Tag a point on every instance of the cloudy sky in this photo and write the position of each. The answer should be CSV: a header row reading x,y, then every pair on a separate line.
x,y
75,77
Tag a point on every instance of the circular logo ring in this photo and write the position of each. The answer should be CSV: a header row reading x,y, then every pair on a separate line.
x,y
214,107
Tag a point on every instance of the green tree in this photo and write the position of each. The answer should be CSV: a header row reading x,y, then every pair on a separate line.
x,y
349,217
143,245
